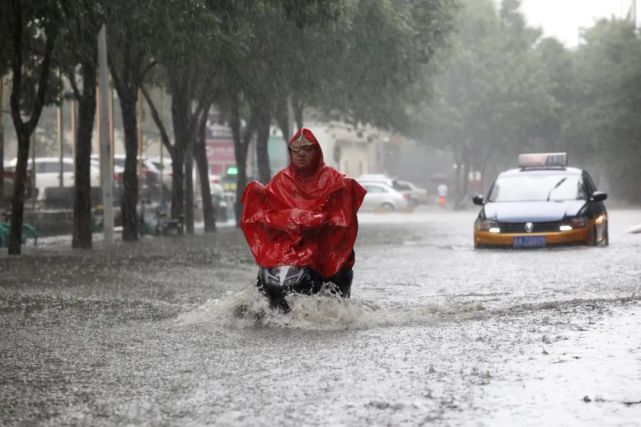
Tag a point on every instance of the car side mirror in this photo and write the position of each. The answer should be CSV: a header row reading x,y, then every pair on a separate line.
x,y
478,200
598,196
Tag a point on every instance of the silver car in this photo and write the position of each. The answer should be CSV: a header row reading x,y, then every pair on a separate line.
x,y
382,197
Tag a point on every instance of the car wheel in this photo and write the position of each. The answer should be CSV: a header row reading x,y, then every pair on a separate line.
x,y
605,241
592,237
387,207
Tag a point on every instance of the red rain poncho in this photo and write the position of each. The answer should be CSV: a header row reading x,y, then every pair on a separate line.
x,y
307,222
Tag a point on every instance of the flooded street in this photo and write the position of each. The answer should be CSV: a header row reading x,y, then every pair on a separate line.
x,y
173,332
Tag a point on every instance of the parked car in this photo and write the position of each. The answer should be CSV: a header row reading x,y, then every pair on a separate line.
x,y
48,173
417,196
8,185
542,203
382,197
149,181
376,177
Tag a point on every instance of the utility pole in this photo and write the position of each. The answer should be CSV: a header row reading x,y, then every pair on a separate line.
x,y
106,170
59,140
112,138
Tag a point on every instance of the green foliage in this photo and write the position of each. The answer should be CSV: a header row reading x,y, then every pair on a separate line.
x,y
604,123
491,90
40,20
376,53
501,90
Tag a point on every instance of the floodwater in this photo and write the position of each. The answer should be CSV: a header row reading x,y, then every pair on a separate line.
x,y
173,332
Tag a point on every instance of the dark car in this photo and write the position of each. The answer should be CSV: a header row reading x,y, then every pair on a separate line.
x,y
542,203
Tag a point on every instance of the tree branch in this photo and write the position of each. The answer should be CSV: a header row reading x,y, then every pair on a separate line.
x,y
74,85
147,69
16,67
114,75
45,68
164,135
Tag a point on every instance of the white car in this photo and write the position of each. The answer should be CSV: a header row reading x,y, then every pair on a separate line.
x,y
376,177
151,175
417,195
48,173
382,197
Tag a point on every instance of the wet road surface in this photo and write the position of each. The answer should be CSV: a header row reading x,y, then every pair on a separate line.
x,y
173,332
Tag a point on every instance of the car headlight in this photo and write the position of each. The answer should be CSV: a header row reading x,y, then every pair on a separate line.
x,y
487,225
572,223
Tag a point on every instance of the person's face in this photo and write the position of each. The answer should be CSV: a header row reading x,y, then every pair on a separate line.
x,y
305,158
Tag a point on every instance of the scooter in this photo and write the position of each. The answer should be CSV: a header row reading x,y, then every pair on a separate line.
x,y
278,282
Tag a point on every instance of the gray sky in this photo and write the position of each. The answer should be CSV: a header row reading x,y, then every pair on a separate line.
x,y
563,18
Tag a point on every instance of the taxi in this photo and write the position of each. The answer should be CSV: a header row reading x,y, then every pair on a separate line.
x,y
542,203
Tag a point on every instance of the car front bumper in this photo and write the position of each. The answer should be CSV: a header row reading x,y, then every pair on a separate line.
x,y
576,236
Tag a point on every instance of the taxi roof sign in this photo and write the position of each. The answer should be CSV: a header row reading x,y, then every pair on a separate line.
x,y
542,160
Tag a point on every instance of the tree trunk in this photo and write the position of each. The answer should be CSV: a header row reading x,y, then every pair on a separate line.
x,y
1,141
180,106
298,107
177,182
82,192
455,192
155,115
200,154
189,185
281,116
129,201
262,139
17,204
241,143
462,179
24,130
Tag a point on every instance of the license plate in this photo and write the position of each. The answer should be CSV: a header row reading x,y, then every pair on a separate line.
x,y
528,242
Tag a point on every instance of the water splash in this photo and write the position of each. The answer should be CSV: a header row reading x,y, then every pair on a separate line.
x,y
249,308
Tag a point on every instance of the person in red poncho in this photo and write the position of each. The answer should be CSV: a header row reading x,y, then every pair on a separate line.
x,y
305,216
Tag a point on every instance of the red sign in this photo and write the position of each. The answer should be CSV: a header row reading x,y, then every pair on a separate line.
x,y
220,151
220,155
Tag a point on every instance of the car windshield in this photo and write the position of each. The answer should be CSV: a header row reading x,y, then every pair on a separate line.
x,y
534,188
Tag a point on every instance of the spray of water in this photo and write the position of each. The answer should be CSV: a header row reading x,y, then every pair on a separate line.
x,y
326,311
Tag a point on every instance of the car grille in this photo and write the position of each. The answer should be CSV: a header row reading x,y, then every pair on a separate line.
x,y
519,227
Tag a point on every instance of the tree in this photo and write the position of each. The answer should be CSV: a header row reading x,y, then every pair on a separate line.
x,y
378,51
558,64
130,33
29,24
200,156
604,130
187,52
5,65
78,48
491,95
